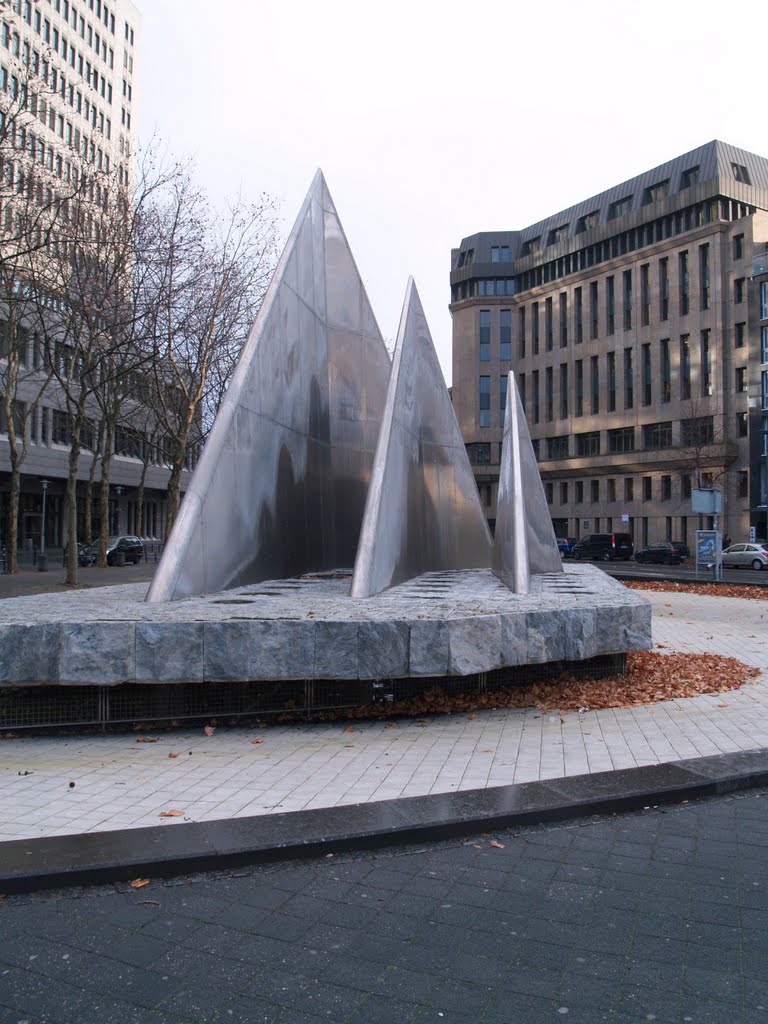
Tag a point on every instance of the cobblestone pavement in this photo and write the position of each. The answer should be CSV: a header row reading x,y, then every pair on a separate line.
x,y
660,916
237,772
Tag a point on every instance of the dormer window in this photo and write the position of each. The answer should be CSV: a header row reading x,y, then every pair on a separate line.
x,y
557,235
655,192
620,208
741,173
689,177
587,222
531,247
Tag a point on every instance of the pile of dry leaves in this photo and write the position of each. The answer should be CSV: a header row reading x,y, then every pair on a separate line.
x,y
650,677
756,593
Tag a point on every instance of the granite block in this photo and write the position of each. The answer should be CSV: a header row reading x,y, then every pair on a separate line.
x,y
475,644
169,652
430,648
29,654
227,651
546,635
581,631
336,650
514,639
97,653
282,649
383,650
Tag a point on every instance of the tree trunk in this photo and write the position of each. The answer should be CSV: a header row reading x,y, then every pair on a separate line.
x,y
140,499
71,576
174,492
12,549
104,496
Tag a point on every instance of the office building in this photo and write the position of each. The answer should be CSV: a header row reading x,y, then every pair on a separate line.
x,y
630,324
68,74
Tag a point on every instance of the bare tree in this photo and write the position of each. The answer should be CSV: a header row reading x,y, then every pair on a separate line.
x,y
210,272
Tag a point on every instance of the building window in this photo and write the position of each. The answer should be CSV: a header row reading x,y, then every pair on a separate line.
x,y
535,328
535,395
620,208
610,305
664,288
738,247
563,493
647,488
587,222
578,313
557,447
682,271
738,289
743,484
621,440
485,401
739,337
645,295
503,382
549,395
594,372
611,365
764,300
593,310
741,424
505,335
704,275
706,365
485,335
594,491
548,330
60,427
741,378
666,371
549,490
685,486
521,388
521,331
764,388
629,384
689,177
741,173
579,495
657,435
629,488
697,431
611,489
764,344
563,319
579,387
685,367
646,375
563,391
479,453
666,488
589,443
627,300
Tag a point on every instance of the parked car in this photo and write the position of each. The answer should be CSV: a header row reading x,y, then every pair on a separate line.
x,y
565,546
662,552
605,546
745,556
130,546
682,547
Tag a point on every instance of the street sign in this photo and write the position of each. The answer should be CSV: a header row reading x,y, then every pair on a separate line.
x,y
625,517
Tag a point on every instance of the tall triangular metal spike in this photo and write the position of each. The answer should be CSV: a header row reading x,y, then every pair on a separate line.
x,y
423,511
524,541
281,484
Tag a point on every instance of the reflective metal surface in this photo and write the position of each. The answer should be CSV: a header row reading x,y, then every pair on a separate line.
x,y
281,484
524,541
423,511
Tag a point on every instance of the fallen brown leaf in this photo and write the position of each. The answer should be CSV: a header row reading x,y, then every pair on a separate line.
x,y
173,813
146,739
139,883
257,741
209,730
173,754
495,845
349,728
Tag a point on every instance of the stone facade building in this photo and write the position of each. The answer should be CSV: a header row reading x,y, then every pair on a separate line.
x,y
629,323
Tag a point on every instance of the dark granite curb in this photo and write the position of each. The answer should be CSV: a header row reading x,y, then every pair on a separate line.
x,y
163,851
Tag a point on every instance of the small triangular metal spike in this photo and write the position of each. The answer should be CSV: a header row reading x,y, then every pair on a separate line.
x,y
281,484
524,541
423,511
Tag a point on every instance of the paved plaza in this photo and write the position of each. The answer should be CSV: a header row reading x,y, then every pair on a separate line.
x,y
244,771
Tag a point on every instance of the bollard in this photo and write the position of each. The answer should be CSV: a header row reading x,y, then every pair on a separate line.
x,y
42,563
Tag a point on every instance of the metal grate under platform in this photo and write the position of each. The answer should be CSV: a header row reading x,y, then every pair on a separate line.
x,y
41,707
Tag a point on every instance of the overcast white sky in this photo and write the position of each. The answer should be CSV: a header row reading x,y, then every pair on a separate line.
x,y
434,120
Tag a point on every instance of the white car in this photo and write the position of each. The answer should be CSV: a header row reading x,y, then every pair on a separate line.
x,y
746,556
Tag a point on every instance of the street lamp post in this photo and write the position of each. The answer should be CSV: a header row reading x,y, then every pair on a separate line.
x,y
42,562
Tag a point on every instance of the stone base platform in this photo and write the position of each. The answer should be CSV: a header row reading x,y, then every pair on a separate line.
x,y
440,624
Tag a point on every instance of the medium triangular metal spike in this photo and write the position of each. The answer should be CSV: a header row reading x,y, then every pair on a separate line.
x,y
524,542
423,511
281,484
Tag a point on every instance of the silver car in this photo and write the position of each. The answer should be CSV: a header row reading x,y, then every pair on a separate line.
x,y
746,556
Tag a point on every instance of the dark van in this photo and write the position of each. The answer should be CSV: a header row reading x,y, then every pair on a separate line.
x,y
604,546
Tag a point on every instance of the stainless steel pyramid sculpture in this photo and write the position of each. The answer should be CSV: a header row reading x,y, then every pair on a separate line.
x,y
423,511
524,540
281,484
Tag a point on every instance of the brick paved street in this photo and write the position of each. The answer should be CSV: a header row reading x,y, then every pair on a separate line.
x,y
654,916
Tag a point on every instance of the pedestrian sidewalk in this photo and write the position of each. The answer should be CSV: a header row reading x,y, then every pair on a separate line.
x,y
63,785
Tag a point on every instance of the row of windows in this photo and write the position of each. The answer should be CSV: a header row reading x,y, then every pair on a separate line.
x,y
48,426
61,46
607,491
719,209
